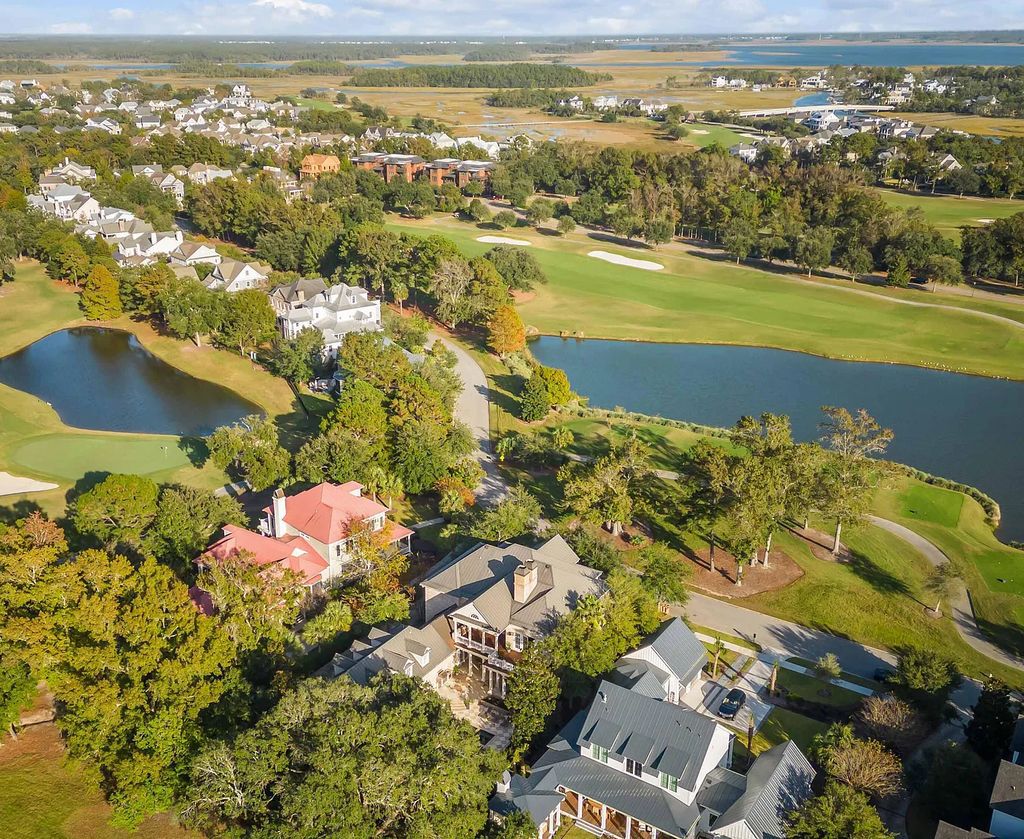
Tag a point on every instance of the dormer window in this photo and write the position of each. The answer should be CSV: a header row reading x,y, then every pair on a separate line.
x,y
634,768
669,782
599,753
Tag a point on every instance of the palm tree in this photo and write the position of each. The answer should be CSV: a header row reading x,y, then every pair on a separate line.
x,y
717,648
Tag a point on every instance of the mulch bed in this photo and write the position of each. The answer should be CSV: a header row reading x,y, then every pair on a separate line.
x,y
781,571
820,544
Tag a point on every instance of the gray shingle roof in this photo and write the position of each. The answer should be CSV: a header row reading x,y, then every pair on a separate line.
x,y
948,831
483,575
674,739
776,784
396,649
1008,792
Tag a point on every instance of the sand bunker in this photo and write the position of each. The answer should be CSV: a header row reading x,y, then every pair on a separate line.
x,y
13,485
503,240
643,264
985,220
699,131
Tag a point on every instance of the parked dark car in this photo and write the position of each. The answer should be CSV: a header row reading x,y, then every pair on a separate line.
x,y
730,707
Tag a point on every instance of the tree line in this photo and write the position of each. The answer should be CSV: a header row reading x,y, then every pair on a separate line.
x,y
478,75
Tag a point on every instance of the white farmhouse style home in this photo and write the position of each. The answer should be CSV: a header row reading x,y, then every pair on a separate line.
x,y
334,312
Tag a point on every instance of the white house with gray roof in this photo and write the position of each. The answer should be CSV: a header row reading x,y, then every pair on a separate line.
x,y
334,312
636,765
666,666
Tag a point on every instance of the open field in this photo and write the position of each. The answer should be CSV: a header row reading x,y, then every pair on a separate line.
x,y
711,300
987,126
35,443
949,213
47,797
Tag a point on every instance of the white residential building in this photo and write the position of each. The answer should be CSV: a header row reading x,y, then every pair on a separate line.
x,y
335,311
231,275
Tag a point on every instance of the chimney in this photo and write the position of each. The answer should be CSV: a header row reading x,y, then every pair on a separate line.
x,y
278,503
505,783
525,581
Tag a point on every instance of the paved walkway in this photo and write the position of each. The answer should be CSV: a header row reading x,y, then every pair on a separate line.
x,y
473,408
960,600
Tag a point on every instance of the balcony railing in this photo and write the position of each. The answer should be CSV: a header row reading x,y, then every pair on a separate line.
x,y
474,645
498,663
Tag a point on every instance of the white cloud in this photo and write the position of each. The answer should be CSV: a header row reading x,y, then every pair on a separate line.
x,y
296,9
122,14
71,27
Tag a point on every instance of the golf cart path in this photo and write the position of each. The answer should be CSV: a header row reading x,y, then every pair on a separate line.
x,y
959,601
473,407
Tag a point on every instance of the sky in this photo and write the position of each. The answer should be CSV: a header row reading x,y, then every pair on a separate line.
x,y
345,19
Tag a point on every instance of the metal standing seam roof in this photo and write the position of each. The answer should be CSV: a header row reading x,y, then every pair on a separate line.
x,y
680,649
676,738
777,783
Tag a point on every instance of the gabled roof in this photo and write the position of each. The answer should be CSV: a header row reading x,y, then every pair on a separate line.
x,y
563,765
414,651
677,647
1008,791
299,290
777,783
669,738
291,552
484,575
949,831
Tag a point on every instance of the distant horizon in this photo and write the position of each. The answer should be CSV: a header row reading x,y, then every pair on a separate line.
x,y
470,37
417,19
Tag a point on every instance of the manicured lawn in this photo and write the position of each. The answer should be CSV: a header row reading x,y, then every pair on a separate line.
x,y
702,300
807,687
781,725
949,212
46,797
990,569
931,504
705,135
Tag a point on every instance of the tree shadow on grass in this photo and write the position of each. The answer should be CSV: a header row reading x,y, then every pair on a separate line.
x,y
303,422
1008,636
622,241
878,578
20,509
505,392
195,450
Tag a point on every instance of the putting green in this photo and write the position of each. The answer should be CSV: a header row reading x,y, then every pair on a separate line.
x,y
70,456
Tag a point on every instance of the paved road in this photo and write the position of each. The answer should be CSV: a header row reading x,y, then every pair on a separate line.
x,y
473,408
960,601
792,639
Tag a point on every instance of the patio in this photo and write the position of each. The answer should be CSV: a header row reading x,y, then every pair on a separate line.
x,y
467,698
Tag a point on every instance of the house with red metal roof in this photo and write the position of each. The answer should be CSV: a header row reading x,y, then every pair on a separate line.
x,y
328,517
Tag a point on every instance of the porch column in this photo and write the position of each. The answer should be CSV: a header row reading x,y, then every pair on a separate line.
x,y
629,826
579,806
604,815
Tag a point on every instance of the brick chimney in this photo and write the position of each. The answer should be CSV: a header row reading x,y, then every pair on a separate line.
x,y
525,581
278,508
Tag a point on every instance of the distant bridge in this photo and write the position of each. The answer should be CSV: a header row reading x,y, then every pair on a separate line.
x,y
813,109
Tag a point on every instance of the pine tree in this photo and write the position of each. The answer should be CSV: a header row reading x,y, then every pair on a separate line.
x,y
991,727
101,297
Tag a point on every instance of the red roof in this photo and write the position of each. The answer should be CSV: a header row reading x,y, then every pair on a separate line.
x,y
291,552
326,511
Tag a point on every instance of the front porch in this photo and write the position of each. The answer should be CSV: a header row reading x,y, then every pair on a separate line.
x,y
601,820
